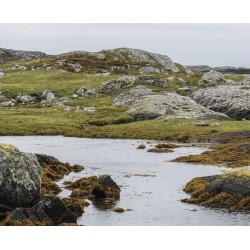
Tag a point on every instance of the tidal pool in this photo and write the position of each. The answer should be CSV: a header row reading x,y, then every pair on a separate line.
x,y
152,200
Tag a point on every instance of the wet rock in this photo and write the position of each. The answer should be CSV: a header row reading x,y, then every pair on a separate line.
x,y
141,146
54,170
20,177
79,193
118,210
160,150
76,205
230,190
48,210
98,188
167,145
233,182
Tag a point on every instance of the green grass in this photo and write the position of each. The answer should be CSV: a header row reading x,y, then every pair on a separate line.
x,y
62,83
27,120
234,77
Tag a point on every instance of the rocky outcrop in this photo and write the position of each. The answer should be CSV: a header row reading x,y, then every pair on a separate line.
x,y
125,82
231,100
172,106
7,55
231,190
143,56
20,177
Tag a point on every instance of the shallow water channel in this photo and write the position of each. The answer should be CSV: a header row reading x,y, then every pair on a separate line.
x,y
151,200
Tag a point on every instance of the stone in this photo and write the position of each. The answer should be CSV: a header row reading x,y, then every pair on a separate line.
x,y
7,104
85,109
26,99
212,75
67,109
234,101
141,146
20,177
1,74
86,92
118,210
48,95
75,96
235,181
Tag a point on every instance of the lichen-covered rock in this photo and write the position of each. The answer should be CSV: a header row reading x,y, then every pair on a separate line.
x,y
149,69
212,75
20,177
171,105
234,101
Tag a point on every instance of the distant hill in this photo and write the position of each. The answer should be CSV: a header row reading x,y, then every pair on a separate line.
x,y
111,61
223,69
8,55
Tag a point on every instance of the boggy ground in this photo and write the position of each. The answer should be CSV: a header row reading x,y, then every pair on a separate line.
x,y
49,209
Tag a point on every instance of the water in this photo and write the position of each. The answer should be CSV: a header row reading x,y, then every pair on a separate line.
x,y
154,200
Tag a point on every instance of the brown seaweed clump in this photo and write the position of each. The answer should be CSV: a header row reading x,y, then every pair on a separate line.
x,y
232,151
95,188
230,190
54,170
160,150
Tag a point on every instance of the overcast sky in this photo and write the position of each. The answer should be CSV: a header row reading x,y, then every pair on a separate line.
x,y
188,44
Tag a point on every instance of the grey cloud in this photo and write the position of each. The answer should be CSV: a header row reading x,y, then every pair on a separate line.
x,y
211,44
